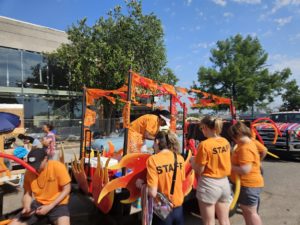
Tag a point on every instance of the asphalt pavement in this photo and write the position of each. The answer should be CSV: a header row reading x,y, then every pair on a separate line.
x,y
280,201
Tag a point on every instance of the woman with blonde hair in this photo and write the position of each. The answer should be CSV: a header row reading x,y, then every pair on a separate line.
x,y
160,169
212,164
246,163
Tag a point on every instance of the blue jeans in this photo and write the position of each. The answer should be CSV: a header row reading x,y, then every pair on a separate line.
x,y
174,218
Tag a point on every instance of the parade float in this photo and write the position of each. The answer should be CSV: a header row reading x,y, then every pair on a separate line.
x,y
113,173
109,177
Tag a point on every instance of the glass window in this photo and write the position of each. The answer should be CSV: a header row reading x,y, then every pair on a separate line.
x,y
3,67
58,77
10,67
32,68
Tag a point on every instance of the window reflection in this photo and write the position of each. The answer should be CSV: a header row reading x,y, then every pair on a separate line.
x,y
32,67
10,67
37,71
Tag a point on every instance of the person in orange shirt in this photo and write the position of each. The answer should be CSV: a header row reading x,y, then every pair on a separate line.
x,y
212,164
246,163
50,189
146,127
160,169
262,150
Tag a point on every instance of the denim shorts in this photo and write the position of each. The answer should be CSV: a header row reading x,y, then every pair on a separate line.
x,y
249,196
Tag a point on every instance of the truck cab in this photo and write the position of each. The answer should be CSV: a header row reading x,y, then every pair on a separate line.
x,y
289,125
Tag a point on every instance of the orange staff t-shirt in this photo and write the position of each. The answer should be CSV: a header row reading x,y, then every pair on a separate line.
x,y
244,154
148,122
214,155
48,185
160,169
260,147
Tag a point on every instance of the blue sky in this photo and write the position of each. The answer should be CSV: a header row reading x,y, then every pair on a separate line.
x,y
192,27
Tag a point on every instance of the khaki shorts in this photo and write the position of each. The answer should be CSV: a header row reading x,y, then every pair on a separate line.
x,y
213,190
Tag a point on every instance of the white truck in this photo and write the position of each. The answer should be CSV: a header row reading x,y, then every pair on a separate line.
x,y
289,124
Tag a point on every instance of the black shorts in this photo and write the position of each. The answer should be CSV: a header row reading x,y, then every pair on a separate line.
x,y
57,212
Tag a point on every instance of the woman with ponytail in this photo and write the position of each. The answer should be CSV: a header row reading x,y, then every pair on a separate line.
x,y
160,170
246,163
212,164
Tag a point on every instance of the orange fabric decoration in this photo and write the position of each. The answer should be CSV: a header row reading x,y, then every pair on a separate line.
x,y
182,90
169,88
221,100
126,115
93,94
135,141
145,82
90,117
173,111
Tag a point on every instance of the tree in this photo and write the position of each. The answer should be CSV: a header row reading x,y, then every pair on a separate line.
x,y
101,55
291,97
239,71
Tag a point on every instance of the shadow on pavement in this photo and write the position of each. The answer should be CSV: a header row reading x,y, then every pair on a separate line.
x,y
84,212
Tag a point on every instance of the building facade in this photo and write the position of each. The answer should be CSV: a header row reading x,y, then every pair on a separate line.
x,y
26,77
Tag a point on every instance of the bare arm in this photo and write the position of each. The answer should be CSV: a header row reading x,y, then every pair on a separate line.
x,y
262,155
27,199
152,191
242,170
198,169
65,191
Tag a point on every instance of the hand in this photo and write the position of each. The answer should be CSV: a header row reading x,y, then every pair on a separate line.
x,y
139,183
27,211
43,210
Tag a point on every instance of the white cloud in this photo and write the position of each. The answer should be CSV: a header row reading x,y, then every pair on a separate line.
x,y
178,68
268,33
189,2
228,14
203,45
248,1
295,37
283,3
220,2
283,21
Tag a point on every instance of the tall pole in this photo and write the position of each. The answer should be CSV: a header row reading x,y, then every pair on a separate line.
x,y
183,128
48,107
171,108
232,107
82,138
125,146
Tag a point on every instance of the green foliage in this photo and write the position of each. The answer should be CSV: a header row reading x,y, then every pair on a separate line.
x,y
168,77
239,71
101,55
291,97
